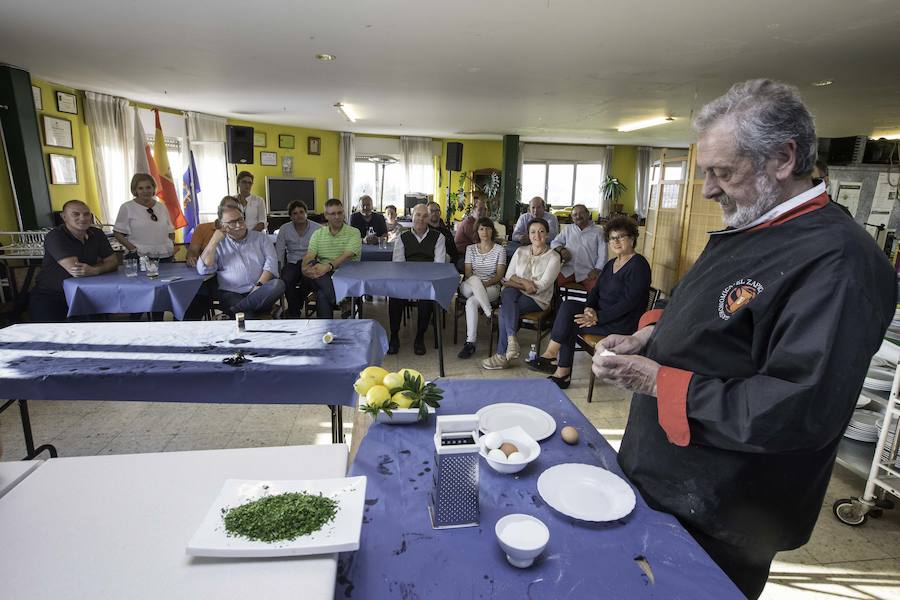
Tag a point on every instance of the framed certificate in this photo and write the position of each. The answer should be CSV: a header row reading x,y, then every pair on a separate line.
x,y
62,169
57,132
259,139
268,159
38,103
66,103
285,141
313,145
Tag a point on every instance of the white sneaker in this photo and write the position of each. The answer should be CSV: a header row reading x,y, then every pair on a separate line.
x,y
487,311
494,363
512,348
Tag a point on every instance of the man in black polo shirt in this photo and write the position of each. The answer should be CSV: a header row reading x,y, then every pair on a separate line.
x,y
367,219
419,244
74,249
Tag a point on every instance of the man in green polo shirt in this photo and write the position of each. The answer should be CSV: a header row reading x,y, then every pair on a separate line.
x,y
329,248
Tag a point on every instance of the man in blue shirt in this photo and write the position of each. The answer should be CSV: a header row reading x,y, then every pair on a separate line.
x,y
245,264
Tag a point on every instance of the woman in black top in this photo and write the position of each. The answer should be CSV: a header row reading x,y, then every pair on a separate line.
x,y
614,305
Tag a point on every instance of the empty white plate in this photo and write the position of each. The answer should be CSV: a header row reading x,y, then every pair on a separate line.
x,y
586,492
497,417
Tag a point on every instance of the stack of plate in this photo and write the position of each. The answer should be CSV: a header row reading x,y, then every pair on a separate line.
x,y
862,427
894,328
890,440
879,379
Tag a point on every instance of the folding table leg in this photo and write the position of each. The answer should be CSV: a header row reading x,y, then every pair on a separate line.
x,y
32,452
440,337
337,424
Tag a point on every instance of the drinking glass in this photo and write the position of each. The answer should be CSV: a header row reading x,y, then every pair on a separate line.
x,y
131,267
152,267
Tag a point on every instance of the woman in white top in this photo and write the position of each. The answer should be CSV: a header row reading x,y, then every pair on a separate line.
x,y
142,224
254,207
528,287
485,267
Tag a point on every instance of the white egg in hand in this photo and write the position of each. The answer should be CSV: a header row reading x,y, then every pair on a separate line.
x,y
492,440
515,457
497,455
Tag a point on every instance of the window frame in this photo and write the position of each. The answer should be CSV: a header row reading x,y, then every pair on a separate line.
x,y
574,163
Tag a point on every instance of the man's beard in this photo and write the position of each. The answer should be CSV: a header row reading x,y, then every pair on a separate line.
x,y
737,216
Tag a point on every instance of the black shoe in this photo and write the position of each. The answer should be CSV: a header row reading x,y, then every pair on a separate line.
x,y
419,347
542,364
367,298
562,382
394,345
467,351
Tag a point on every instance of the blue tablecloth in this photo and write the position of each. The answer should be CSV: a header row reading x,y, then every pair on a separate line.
x,y
400,555
116,293
182,361
408,280
371,252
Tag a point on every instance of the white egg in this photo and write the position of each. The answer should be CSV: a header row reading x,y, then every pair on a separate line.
x,y
497,455
516,457
492,440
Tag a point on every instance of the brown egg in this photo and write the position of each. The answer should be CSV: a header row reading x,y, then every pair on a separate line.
x,y
569,434
508,448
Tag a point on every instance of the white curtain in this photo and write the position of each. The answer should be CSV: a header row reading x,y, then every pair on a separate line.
x,y
642,181
109,119
418,164
206,135
347,155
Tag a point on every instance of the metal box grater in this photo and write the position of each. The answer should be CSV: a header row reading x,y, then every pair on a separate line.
x,y
454,495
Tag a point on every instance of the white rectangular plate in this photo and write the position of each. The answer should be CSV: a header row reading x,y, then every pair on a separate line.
x,y
341,535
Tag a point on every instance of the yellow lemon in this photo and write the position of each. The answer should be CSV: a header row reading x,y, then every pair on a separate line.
x,y
392,381
376,373
412,373
402,400
364,384
377,395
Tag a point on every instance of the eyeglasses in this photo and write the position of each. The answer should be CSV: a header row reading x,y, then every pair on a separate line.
x,y
152,214
234,224
618,238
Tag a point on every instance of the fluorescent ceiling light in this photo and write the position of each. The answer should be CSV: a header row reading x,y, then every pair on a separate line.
x,y
886,136
822,83
644,124
325,57
346,111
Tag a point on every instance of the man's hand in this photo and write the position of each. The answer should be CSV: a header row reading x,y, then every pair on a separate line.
x,y
371,239
317,270
564,254
632,373
80,269
621,344
593,274
191,260
586,319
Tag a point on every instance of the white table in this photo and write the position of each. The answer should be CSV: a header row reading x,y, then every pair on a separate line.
x,y
11,473
112,527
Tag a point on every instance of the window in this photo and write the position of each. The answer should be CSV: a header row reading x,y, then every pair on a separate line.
x,y
563,183
369,178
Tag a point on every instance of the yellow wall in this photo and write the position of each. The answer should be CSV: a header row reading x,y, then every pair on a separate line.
x,y
477,154
322,166
624,167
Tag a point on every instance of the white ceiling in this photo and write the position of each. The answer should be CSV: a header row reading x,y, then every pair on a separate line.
x,y
548,70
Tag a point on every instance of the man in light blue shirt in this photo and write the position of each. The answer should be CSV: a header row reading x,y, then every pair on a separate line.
x,y
245,264
582,248
536,210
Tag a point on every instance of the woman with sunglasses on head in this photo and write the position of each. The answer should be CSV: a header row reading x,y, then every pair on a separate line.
x,y
142,224
614,305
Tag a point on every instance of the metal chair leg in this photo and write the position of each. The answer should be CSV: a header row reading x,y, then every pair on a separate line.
x,y
591,386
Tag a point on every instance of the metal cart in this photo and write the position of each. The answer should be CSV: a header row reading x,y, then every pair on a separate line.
x,y
884,473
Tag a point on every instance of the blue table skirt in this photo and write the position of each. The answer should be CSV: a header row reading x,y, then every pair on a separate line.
x,y
371,252
182,361
401,556
115,293
409,280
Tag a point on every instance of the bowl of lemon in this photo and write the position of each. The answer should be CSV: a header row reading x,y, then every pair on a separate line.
x,y
399,397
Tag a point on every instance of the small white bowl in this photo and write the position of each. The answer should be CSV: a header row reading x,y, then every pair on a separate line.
x,y
522,537
524,442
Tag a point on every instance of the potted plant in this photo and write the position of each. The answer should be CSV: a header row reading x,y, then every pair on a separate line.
x,y
610,191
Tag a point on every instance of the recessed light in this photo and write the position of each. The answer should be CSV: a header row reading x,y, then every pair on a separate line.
x,y
648,123
822,83
325,57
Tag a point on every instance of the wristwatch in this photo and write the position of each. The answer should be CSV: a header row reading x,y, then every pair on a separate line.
x,y
331,264
259,284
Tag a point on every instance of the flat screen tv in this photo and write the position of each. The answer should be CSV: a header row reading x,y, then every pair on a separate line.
x,y
281,191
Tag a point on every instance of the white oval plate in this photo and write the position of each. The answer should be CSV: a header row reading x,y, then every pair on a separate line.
x,y
586,492
497,417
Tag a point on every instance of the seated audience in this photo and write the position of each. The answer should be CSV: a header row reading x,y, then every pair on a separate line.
x,y
291,246
253,206
467,230
245,265
582,248
485,267
204,232
419,244
614,305
142,224
394,228
329,248
436,223
74,249
367,219
536,210
528,287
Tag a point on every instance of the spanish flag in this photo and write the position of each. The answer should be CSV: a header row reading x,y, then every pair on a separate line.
x,y
165,185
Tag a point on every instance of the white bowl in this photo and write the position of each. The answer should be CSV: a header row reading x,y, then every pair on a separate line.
x,y
524,442
522,537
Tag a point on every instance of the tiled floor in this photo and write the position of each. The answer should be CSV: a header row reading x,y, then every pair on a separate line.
x,y
839,562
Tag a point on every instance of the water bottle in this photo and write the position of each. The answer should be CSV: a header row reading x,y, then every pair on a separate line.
x,y
370,233
532,354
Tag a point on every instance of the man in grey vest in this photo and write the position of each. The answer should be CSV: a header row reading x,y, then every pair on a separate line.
x,y
419,244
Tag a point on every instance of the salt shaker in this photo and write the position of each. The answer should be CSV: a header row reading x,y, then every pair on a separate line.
x,y
454,497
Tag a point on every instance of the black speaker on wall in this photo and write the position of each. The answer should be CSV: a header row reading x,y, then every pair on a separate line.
x,y
239,144
454,156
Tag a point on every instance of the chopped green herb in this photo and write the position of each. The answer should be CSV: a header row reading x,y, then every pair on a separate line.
x,y
281,517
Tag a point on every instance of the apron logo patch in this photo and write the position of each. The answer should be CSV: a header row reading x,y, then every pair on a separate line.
x,y
738,295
